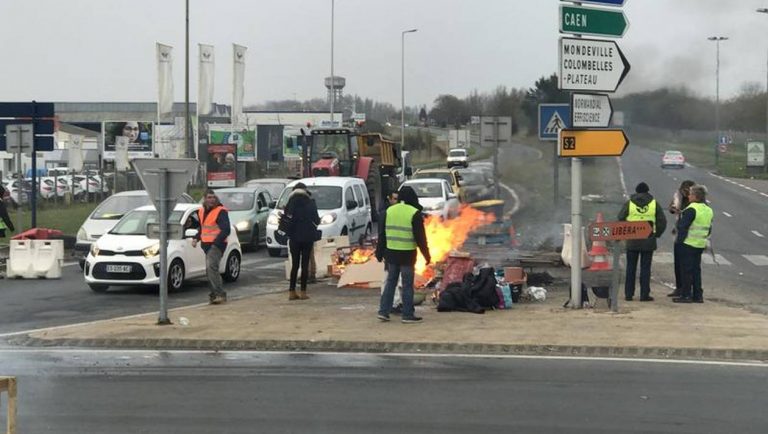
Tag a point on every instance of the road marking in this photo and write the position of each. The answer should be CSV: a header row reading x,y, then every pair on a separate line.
x,y
621,176
726,214
69,264
758,234
758,260
514,196
669,258
333,355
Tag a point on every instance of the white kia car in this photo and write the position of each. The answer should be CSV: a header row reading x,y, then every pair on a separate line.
x,y
673,159
342,203
125,256
435,196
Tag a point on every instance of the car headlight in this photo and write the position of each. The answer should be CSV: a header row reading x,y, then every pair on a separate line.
x,y
243,225
328,218
273,220
82,234
151,251
435,207
94,250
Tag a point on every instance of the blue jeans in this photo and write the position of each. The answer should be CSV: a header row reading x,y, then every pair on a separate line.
x,y
393,273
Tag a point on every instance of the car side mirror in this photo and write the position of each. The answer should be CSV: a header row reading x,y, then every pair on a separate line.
x,y
351,204
409,171
190,233
264,209
273,204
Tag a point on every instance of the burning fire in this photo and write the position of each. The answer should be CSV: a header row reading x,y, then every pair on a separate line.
x,y
444,236
361,256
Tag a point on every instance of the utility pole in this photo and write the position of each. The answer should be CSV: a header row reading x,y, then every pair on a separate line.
x,y
402,84
717,40
333,90
187,121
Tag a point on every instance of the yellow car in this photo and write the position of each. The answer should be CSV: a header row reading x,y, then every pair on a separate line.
x,y
451,175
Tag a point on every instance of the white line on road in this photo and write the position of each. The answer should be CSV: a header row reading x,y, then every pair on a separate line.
x,y
758,234
514,196
621,176
726,214
329,354
758,260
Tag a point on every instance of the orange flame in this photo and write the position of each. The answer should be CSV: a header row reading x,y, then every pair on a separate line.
x,y
361,256
444,236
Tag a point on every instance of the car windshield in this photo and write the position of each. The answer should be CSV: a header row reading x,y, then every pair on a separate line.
x,y
236,201
135,222
427,189
470,177
447,176
273,188
326,197
458,153
116,206
673,153
336,145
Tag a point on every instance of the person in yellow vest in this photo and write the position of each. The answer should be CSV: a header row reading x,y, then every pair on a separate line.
x,y
401,232
5,219
693,231
214,230
641,206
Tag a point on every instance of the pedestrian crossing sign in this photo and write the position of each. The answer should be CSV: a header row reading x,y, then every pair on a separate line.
x,y
553,118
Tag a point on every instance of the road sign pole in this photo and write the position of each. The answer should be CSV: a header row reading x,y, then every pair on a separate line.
x,y
20,190
556,173
164,199
33,199
576,233
616,280
495,154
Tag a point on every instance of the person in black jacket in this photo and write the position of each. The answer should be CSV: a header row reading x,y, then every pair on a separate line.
x,y
301,227
397,245
641,206
5,219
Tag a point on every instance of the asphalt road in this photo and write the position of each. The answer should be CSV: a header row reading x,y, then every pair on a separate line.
x,y
69,391
31,304
739,228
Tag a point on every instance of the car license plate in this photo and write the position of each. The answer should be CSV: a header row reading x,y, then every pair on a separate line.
x,y
119,268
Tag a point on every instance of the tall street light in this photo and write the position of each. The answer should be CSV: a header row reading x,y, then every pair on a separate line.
x,y
333,92
717,40
402,84
765,11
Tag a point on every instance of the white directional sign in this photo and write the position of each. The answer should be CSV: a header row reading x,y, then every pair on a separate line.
x,y
590,110
176,172
591,65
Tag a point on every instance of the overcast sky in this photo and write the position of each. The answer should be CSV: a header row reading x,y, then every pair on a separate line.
x,y
103,50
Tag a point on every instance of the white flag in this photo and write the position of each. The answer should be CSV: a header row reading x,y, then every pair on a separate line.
x,y
238,79
205,80
164,79
76,153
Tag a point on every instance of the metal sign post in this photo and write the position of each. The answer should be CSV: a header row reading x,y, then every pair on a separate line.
x,y
164,180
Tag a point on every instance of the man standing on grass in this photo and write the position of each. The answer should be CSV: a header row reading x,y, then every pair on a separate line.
x,y
5,219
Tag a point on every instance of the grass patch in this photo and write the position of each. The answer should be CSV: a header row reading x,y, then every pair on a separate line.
x,y
67,219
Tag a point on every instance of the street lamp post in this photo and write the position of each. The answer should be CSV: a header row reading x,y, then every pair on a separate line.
x,y
333,92
402,84
717,40
765,11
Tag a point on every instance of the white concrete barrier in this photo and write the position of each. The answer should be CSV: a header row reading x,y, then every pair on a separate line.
x,y
34,259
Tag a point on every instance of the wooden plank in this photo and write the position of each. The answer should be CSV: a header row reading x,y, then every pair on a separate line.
x,y
8,385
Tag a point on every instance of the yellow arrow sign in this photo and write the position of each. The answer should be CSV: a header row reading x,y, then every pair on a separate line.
x,y
591,143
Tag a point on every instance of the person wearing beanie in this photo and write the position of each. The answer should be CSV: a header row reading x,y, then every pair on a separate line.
x,y
641,206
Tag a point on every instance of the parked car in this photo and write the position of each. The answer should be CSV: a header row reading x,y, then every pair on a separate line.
x,y
124,256
343,205
274,186
106,216
673,159
19,191
436,197
475,186
458,157
248,211
452,176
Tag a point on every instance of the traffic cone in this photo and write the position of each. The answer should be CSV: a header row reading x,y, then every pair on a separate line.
x,y
599,252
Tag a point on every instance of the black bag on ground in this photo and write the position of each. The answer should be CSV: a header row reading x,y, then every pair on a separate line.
x,y
483,289
455,298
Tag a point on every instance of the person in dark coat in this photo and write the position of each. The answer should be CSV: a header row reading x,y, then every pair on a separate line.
x,y
5,219
301,228
678,203
401,232
641,206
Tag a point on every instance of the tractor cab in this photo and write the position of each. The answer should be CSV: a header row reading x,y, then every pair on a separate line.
x,y
333,152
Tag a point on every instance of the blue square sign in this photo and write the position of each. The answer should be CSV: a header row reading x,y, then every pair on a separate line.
x,y
552,118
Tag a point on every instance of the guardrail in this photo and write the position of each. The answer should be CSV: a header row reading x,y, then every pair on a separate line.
x,y
8,385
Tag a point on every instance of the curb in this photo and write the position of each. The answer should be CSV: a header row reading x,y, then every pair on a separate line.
x,y
729,355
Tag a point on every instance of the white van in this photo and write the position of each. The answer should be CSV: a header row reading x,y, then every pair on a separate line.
x,y
343,205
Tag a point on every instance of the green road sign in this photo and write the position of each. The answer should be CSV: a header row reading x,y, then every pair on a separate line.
x,y
591,21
